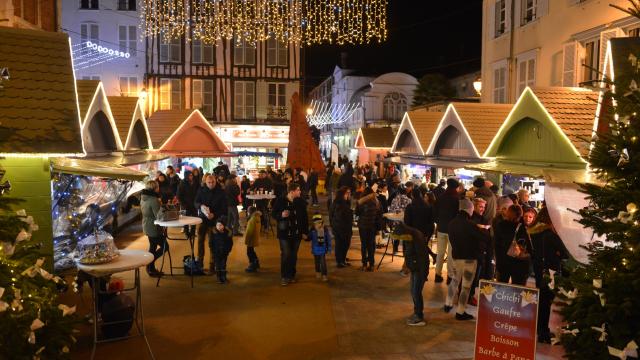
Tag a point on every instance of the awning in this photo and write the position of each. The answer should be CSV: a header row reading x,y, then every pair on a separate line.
x,y
95,168
130,159
563,202
194,154
556,173
257,153
422,160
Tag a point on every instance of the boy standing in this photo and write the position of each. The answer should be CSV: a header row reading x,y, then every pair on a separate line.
x,y
320,245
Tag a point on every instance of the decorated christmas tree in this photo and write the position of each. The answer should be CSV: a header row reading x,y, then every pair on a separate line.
x,y
603,296
33,325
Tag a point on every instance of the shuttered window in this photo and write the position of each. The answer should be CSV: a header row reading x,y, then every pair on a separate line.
x,y
170,49
500,85
500,17
244,53
170,94
244,100
277,53
202,95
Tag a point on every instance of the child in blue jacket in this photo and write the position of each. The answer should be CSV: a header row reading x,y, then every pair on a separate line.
x,y
320,236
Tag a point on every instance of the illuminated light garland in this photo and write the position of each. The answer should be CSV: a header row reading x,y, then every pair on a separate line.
x,y
307,22
323,113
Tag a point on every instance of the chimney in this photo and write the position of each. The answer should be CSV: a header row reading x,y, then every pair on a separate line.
x,y
344,56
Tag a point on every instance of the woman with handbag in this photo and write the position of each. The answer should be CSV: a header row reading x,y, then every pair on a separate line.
x,y
513,248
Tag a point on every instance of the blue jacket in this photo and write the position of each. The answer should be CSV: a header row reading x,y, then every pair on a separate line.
x,y
318,248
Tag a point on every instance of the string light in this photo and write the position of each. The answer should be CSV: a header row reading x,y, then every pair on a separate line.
x,y
308,22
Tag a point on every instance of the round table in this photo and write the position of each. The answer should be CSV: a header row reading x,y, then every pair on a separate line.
x,y
128,260
267,214
180,222
261,196
394,218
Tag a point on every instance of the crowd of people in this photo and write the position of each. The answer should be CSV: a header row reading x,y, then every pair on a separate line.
x,y
479,234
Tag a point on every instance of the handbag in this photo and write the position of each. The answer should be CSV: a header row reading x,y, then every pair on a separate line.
x,y
168,213
516,250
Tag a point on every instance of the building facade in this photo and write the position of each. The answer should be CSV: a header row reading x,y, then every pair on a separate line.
x,y
30,14
228,81
113,25
546,43
381,101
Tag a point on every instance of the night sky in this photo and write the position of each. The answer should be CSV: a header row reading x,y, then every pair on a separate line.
x,y
424,36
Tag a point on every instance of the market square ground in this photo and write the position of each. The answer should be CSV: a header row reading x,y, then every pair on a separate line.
x,y
355,315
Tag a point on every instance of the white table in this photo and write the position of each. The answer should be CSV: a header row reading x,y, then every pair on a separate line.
x,y
261,196
128,260
267,216
398,217
394,218
182,221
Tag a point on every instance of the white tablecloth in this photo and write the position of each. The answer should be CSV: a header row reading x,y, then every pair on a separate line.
x,y
182,221
128,260
393,216
260,196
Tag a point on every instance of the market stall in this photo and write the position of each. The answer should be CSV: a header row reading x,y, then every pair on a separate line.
x,y
462,137
544,143
373,144
414,136
99,131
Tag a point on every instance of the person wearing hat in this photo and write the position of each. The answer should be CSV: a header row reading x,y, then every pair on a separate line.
x,y
445,210
220,244
465,238
320,236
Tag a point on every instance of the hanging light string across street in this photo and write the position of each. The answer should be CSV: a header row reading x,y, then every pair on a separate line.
x,y
307,22
321,113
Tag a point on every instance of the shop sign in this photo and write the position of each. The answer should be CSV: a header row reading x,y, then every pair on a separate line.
x,y
506,322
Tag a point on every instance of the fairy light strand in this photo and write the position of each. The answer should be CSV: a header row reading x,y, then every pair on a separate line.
x,y
309,22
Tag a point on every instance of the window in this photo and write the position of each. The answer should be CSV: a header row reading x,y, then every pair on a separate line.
x,y
170,94
244,99
633,32
500,85
202,96
89,32
89,4
501,17
201,53
244,53
277,53
528,11
170,49
127,39
526,74
127,5
394,106
591,60
277,100
91,77
128,86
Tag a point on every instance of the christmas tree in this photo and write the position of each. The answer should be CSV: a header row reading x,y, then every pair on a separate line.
x,y
603,296
33,325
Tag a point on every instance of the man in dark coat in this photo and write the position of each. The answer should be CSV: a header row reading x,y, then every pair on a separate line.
x,y
312,182
445,210
174,180
415,255
211,202
290,212
465,237
187,191
232,190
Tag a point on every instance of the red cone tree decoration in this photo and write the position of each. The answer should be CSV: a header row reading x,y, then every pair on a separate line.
x,y
303,151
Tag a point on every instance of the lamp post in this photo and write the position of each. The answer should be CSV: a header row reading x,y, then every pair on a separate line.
x,y
477,85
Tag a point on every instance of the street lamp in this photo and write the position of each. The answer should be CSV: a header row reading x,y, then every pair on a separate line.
x,y
477,85
143,94
309,111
